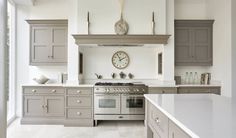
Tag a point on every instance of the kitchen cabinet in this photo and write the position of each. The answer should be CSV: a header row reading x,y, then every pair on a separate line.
x,y
48,42
43,105
79,106
198,90
158,125
193,42
162,90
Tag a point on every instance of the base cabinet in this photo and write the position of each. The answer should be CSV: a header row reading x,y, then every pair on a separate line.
x,y
160,126
43,105
197,90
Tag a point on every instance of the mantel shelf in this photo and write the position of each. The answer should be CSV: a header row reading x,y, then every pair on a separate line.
x,y
121,39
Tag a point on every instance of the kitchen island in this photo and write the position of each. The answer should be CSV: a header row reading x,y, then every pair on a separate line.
x,y
190,116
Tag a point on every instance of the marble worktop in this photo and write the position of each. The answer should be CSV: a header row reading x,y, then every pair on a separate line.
x,y
199,115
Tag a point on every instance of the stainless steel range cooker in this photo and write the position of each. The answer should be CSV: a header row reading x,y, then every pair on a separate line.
x,y
119,101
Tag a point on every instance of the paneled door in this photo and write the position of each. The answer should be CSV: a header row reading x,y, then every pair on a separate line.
x,y
34,106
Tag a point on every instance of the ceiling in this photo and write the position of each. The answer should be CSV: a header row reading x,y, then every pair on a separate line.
x,y
24,2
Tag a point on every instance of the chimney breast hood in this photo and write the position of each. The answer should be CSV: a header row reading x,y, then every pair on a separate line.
x,y
119,40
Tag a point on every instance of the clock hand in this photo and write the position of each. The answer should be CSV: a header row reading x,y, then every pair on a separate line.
x,y
118,56
122,58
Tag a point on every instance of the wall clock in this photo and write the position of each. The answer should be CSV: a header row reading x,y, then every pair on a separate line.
x,y
120,60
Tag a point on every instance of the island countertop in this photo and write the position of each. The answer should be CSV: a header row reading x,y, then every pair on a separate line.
x,y
204,115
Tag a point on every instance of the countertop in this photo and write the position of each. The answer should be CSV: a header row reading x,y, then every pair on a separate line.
x,y
203,115
57,85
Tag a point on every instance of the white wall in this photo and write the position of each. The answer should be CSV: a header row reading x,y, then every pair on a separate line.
x,y
233,48
190,9
143,62
220,11
25,73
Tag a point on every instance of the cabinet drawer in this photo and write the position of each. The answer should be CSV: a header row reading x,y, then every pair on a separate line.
x,y
194,90
79,91
79,101
79,113
158,121
176,132
161,90
44,90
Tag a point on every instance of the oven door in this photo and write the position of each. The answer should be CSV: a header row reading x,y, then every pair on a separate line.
x,y
107,104
132,104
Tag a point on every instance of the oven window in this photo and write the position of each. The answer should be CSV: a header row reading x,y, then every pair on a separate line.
x,y
134,103
107,103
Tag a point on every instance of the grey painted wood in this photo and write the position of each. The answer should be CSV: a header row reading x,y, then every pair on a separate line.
x,y
79,106
198,90
3,42
48,42
33,106
54,106
176,132
162,90
193,42
121,39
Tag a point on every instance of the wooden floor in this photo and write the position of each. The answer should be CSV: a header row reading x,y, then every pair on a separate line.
x,y
105,129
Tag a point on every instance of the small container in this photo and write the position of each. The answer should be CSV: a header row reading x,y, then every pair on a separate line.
x,y
190,78
196,78
186,78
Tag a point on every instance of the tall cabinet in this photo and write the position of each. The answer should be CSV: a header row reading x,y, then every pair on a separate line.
x,y
48,42
193,42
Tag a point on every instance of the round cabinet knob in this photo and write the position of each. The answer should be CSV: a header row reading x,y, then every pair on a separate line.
x,y
78,91
78,101
78,113
33,90
157,120
163,91
53,91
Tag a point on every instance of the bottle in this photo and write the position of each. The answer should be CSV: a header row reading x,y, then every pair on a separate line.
x,y
190,78
195,78
186,78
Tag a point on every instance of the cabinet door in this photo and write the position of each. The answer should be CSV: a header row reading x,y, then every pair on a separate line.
x,y
183,45
202,47
33,106
40,44
54,106
59,44
176,132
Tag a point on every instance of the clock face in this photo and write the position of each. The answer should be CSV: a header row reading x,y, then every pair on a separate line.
x,y
120,60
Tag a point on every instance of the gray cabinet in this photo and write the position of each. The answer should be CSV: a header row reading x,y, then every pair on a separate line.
x,y
48,42
43,105
79,106
176,132
193,42
199,90
162,90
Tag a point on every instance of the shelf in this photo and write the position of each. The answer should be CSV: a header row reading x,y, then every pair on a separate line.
x,y
121,40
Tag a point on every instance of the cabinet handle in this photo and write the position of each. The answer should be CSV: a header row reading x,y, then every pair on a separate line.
x,y
157,120
52,56
78,91
163,91
42,106
78,113
46,108
49,56
53,91
78,101
33,90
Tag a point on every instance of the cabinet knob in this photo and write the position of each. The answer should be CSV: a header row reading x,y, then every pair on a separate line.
x,y
78,91
42,106
157,120
78,101
49,56
78,113
33,90
163,91
53,91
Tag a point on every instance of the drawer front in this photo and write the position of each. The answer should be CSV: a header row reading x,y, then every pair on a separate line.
x,y
79,91
79,101
194,90
44,90
161,90
158,121
79,113
176,132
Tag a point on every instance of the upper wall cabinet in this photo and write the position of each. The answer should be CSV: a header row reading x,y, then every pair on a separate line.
x,y
48,42
193,42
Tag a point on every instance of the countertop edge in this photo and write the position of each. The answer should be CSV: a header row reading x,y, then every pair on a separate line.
x,y
182,126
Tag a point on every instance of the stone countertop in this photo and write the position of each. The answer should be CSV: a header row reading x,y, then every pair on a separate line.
x,y
57,85
203,115
184,85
